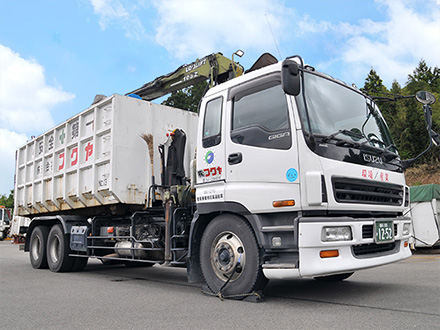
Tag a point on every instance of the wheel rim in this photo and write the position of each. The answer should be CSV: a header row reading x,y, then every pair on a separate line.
x,y
54,249
226,251
36,247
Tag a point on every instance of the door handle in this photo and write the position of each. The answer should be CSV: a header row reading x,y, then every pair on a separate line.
x,y
235,158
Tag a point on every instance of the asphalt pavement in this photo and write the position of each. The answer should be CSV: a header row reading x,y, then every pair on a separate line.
x,y
404,295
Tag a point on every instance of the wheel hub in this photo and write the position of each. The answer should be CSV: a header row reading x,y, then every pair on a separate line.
x,y
54,249
226,252
36,248
224,256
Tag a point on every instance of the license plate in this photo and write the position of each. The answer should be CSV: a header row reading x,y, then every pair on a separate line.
x,y
384,231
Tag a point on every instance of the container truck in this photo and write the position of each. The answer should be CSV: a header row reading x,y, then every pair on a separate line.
x,y
284,173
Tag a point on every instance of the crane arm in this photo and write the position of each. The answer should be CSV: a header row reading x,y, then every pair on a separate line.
x,y
215,67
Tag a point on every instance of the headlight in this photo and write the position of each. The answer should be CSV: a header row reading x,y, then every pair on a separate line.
x,y
332,234
406,229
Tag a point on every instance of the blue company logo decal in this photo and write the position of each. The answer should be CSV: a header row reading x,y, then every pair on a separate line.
x,y
291,175
209,157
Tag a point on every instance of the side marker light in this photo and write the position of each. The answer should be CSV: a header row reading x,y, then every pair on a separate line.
x,y
290,202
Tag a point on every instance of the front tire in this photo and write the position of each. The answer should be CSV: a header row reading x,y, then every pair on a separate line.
x,y
58,250
227,241
37,247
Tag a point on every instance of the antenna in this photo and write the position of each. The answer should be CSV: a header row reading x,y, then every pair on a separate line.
x,y
273,36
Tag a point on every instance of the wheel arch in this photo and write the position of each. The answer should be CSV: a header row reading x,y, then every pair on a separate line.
x,y
202,217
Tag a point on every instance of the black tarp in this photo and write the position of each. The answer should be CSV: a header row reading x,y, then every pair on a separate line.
x,y
264,60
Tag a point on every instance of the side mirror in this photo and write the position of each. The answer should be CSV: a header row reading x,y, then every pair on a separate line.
x,y
290,78
425,98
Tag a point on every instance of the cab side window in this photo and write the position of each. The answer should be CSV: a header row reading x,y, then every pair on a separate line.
x,y
260,117
213,123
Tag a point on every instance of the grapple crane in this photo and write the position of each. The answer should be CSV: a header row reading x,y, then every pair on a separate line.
x,y
214,67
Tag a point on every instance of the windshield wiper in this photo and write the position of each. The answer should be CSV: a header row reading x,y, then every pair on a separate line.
x,y
386,149
345,132
390,155
391,146
376,140
386,152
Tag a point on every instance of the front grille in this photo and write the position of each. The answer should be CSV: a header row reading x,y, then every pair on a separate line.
x,y
368,231
366,249
366,192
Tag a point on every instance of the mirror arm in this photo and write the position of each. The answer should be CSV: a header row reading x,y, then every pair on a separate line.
x,y
435,137
428,117
408,162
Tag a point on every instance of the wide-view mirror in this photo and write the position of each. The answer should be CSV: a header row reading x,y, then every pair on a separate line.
x,y
426,98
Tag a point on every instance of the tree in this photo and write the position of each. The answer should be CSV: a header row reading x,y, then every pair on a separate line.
x,y
373,84
395,115
7,201
424,74
395,87
187,98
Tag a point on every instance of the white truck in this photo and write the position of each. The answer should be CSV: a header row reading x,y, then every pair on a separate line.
x,y
5,222
284,173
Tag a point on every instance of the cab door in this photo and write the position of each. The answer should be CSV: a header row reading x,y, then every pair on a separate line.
x,y
211,150
261,151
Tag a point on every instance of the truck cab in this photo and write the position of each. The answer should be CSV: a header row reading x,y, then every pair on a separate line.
x,y
311,168
5,222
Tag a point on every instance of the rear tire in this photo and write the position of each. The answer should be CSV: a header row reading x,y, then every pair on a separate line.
x,y
227,240
58,250
334,278
37,247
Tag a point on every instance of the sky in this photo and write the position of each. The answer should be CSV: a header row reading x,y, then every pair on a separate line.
x,y
55,56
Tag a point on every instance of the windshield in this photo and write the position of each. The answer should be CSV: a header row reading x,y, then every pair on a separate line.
x,y
338,112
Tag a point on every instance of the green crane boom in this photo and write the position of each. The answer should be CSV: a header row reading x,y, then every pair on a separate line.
x,y
215,67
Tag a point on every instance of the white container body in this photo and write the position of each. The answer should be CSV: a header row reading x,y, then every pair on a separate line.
x,y
426,223
98,156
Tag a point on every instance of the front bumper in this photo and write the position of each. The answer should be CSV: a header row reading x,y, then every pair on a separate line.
x,y
360,252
